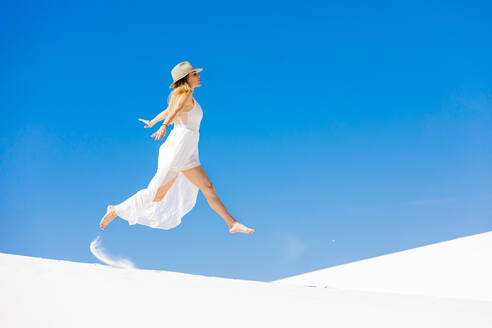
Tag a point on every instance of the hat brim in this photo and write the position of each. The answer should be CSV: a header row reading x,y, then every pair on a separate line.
x,y
193,70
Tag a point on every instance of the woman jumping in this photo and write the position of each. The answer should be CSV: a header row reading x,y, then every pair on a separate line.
x,y
173,190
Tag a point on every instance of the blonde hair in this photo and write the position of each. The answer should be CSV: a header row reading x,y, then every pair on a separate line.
x,y
181,86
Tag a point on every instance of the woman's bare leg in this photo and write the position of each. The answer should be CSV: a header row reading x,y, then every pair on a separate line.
x,y
162,191
199,178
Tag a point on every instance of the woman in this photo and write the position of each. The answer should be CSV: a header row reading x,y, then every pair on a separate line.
x,y
173,190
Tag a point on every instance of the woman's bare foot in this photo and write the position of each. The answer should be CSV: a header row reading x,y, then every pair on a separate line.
x,y
238,227
108,217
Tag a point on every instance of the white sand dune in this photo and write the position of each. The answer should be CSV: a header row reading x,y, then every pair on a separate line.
x,y
38,292
441,285
458,268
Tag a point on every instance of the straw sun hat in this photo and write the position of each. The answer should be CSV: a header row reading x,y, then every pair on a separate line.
x,y
181,70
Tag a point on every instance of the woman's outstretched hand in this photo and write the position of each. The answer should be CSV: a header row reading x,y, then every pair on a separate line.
x,y
149,123
160,133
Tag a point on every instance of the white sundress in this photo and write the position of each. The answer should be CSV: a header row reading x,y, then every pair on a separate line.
x,y
178,152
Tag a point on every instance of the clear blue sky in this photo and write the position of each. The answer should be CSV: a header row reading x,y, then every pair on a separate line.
x,y
339,131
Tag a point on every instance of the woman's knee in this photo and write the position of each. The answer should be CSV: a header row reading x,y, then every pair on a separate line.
x,y
208,188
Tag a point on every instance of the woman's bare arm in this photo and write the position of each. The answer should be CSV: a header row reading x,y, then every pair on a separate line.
x,y
162,115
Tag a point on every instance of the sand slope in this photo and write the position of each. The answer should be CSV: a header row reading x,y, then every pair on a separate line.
x,y
460,268
37,292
